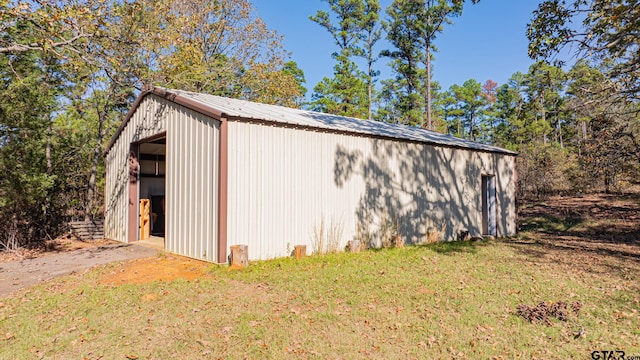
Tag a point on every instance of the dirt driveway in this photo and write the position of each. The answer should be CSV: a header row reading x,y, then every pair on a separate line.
x,y
18,274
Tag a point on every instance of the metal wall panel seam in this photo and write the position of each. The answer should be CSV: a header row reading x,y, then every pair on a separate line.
x,y
196,171
208,220
191,211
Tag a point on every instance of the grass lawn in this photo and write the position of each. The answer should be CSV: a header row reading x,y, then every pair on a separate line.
x,y
448,300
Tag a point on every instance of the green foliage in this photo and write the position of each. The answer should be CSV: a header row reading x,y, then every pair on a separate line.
x,y
348,92
27,186
412,28
471,105
292,70
342,95
608,36
71,70
572,131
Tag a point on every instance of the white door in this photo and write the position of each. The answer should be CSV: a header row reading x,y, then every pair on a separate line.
x,y
489,205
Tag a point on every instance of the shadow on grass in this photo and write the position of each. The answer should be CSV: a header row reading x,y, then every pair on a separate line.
x,y
549,224
580,255
598,221
442,247
540,248
455,247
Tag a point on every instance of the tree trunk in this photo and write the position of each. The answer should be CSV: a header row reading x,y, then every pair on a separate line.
x,y
544,118
429,123
94,164
559,131
47,154
370,79
369,95
47,151
472,129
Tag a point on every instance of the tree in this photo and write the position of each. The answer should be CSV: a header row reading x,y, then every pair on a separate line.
x,y
291,69
279,87
607,129
347,92
412,28
489,93
371,34
205,46
609,36
403,32
58,26
545,84
71,69
510,106
451,112
27,182
471,103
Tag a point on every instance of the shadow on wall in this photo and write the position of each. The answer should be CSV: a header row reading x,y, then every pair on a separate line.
x,y
421,192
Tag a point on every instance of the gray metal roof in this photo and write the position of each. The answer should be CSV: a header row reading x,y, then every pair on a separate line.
x,y
279,114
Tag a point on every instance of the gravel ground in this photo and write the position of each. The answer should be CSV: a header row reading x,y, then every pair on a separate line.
x,y
18,274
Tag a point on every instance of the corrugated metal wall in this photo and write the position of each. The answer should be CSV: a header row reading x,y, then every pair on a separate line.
x,y
192,184
284,183
191,176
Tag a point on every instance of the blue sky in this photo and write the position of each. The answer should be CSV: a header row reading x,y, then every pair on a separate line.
x,y
487,42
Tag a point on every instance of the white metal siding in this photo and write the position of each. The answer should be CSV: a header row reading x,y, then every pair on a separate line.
x,y
283,182
191,186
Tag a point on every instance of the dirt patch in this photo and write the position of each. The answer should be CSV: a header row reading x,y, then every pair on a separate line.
x,y
596,218
595,232
62,244
166,268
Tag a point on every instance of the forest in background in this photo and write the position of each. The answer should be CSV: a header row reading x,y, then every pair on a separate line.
x,y
70,71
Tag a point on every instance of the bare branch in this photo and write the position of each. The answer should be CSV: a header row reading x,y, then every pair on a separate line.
x,y
17,48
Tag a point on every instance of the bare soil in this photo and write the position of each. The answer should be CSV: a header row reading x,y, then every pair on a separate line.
x,y
146,270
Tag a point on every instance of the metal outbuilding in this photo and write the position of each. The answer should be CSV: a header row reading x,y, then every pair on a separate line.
x,y
219,172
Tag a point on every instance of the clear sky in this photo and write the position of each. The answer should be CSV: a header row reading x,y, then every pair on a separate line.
x,y
487,42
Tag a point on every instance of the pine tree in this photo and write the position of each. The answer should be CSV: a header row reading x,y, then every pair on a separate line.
x,y
350,90
412,28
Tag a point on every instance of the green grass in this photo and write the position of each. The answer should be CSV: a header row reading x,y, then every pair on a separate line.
x,y
440,301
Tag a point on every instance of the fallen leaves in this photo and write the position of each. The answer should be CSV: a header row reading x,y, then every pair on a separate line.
x,y
543,312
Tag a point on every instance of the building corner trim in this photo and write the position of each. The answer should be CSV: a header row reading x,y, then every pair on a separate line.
x,y
223,177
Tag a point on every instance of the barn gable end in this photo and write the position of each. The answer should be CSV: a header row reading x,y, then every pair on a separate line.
x,y
190,181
